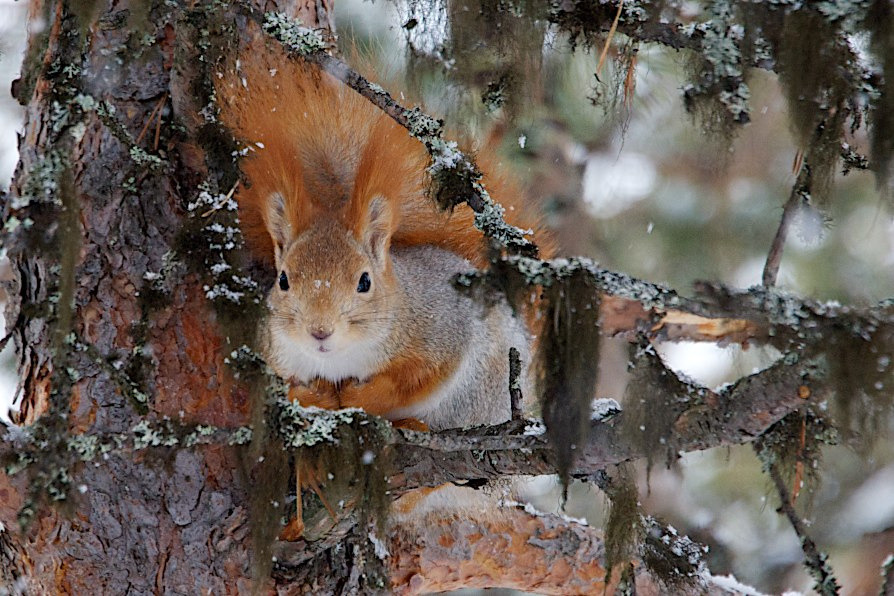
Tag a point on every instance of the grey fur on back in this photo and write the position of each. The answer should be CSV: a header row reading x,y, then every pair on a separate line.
x,y
453,321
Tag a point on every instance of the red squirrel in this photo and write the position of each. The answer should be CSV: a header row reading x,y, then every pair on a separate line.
x,y
364,312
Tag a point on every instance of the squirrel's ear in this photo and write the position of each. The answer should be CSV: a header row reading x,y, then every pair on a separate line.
x,y
377,234
278,224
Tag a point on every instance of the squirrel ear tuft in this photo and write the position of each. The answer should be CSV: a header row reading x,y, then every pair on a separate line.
x,y
278,223
377,234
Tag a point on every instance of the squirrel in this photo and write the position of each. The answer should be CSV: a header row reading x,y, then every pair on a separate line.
x,y
364,312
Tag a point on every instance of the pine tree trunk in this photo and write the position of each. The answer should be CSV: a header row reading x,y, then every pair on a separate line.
x,y
98,207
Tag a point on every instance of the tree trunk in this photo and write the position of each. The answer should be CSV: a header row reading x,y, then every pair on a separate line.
x,y
113,150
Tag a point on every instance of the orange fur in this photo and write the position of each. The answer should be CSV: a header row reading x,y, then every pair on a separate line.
x,y
332,156
406,380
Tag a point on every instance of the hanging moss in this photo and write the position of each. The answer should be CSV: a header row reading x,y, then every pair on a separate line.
x,y
654,399
86,12
860,365
585,23
211,242
569,357
50,199
497,43
793,448
355,469
610,89
814,62
623,528
346,452
880,23
38,41
140,25
265,468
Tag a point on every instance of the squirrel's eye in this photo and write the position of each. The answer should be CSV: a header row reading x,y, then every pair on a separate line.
x,y
364,284
283,281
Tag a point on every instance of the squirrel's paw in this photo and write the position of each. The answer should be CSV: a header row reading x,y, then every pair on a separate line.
x,y
321,394
410,424
293,531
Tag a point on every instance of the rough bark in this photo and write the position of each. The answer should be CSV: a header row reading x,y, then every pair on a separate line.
x,y
155,523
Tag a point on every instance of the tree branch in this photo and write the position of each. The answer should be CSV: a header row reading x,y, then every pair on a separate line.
x,y
703,420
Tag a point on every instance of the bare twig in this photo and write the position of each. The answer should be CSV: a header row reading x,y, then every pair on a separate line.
x,y
608,38
799,195
515,392
815,560
149,121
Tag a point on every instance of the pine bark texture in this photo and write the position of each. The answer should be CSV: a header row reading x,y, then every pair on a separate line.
x,y
173,522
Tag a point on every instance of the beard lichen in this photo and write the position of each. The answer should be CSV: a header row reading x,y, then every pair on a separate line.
x,y
813,64
880,23
498,44
792,448
569,361
346,457
859,363
654,399
624,527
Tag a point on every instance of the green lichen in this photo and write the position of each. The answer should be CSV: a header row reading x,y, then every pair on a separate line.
x,y
293,35
306,427
422,126
146,435
241,436
547,273
719,94
86,446
41,182
142,158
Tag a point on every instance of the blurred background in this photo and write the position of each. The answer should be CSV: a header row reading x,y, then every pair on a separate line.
x,y
625,176
13,17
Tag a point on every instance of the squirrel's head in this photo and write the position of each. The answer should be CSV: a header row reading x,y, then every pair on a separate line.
x,y
334,299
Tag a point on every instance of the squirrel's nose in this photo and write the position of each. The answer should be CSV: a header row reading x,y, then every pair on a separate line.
x,y
320,333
